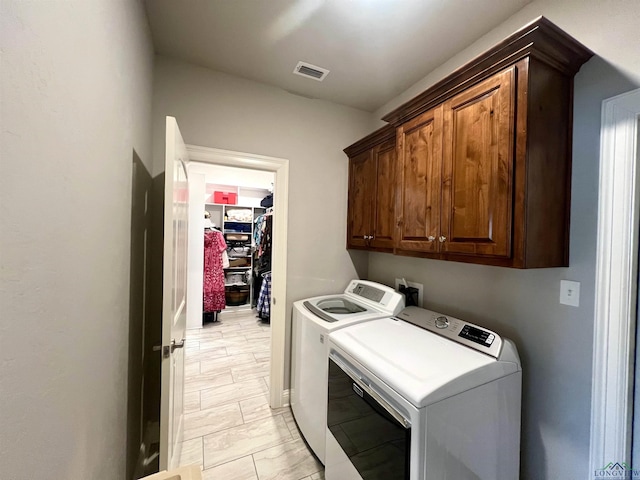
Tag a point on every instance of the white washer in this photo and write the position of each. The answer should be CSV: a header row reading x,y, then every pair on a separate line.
x,y
313,320
422,396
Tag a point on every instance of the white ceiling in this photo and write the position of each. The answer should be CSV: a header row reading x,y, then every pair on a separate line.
x,y
374,49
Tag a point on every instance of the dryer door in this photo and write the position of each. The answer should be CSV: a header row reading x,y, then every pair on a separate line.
x,y
374,436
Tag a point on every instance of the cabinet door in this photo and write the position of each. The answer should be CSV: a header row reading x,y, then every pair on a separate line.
x,y
418,178
359,213
478,168
384,222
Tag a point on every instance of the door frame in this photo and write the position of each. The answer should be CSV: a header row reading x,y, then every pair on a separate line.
x,y
616,282
278,397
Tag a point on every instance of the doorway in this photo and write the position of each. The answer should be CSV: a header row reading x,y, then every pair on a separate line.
x,y
280,169
616,282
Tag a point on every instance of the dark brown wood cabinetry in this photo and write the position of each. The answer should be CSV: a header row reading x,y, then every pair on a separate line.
x,y
372,170
418,182
477,180
483,169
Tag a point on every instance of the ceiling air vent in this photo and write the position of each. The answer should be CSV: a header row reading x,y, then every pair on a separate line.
x,y
311,71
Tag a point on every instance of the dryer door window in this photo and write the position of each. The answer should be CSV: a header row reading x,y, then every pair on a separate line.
x,y
376,442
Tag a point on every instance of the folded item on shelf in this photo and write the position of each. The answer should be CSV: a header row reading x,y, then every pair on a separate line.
x,y
239,215
236,237
239,262
239,251
237,227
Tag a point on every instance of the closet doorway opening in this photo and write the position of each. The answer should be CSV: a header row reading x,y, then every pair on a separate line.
x,y
231,186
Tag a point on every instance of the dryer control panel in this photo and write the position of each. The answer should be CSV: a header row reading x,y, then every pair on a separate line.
x,y
468,334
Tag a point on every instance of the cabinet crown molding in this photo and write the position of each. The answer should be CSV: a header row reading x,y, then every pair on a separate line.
x,y
383,134
540,39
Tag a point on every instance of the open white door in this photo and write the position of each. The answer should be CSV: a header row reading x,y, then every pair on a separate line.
x,y
174,295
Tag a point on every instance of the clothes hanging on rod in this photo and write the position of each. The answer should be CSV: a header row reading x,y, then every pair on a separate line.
x,y
262,256
264,249
264,300
257,229
213,275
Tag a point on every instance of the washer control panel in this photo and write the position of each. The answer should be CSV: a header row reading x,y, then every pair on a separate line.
x,y
376,295
454,329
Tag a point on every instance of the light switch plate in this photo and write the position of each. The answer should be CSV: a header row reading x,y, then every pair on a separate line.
x,y
570,293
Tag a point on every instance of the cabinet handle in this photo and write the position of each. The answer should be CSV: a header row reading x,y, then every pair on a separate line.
x,y
442,239
370,237
364,237
431,238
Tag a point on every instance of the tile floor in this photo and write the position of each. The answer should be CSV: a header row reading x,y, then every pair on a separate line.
x,y
229,428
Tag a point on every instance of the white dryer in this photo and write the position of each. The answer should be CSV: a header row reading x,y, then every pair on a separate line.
x,y
422,396
313,320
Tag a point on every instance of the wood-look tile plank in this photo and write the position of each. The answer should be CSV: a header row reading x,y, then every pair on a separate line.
x,y
249,347
258,335
238,340
203,334
232,393
207,380
204,422
191,452
264,355
251,370
291,424
192,369
287,461
225,363
236,442
192,401
258,407
240,469
207,354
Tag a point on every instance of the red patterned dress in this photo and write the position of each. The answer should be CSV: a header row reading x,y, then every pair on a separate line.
x,y
213,291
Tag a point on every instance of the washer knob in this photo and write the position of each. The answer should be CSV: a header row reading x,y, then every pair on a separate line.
x,y
442,322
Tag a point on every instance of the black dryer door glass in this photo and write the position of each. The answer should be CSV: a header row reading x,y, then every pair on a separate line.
x,y
377,444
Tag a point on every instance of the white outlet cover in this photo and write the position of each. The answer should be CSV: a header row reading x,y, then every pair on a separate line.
x,y
570,293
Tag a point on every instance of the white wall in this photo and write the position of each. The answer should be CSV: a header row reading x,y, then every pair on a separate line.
x,y
555,341
221,111
608,27
233,176
195,251
76,103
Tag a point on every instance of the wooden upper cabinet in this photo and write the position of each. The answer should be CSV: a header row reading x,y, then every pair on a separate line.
x,y
371,204
383,218
477,174
483,167
360,205
418,189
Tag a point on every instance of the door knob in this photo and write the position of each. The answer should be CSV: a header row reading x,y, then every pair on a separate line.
x,y
167,350
442,239
175,345
431,238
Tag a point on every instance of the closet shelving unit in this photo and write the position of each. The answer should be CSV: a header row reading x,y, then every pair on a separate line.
x,y
237,222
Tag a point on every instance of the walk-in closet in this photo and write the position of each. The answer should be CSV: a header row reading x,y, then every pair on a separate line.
x,y
230,242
